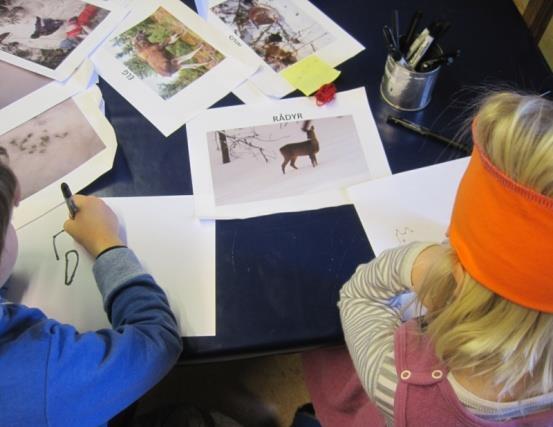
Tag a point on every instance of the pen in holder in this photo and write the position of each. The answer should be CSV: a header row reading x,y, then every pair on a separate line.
x,y
406,89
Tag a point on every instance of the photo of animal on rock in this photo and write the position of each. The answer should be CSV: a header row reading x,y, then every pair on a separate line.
x,y
277,30
165,54
284,158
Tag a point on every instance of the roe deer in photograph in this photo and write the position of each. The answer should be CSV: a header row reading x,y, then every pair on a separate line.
x,y
290,152
160,59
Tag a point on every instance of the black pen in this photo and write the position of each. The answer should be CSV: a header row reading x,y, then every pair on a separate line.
x,y
446,58
427,132
73,209
393,50
411,31
395,27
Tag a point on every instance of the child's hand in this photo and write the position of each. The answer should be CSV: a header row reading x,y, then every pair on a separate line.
x,y
95,226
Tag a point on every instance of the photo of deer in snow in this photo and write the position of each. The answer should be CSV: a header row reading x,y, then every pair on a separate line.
x,y
310,148
252,163
165,54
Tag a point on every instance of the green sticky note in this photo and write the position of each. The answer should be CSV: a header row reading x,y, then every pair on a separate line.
x,y
309,74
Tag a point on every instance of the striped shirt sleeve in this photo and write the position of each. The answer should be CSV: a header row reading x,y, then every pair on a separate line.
x,y
370,318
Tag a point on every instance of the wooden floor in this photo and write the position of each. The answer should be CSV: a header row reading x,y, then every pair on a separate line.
x,y
262,392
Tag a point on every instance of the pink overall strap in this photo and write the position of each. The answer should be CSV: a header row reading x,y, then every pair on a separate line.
x,y
424,396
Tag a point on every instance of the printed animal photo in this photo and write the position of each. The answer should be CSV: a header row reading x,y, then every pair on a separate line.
x,y
51,145
284,159
277,30
165,54
18,83
46,32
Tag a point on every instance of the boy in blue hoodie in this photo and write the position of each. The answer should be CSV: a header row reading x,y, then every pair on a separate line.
x,y
52,375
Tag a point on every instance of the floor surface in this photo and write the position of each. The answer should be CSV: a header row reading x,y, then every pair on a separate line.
x,y
261,392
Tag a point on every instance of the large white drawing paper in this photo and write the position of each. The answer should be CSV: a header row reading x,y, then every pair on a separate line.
x,y
25,94
169,63
177,249
411,206
52,38
288,155
277,34
71,142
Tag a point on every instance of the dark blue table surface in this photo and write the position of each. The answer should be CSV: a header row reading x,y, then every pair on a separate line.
x,y
278,276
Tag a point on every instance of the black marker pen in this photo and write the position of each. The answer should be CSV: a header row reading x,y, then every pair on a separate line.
x,y
73,209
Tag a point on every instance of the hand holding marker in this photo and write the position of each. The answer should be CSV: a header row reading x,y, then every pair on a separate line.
x,y
68,196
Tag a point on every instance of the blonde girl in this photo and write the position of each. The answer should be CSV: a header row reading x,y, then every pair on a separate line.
x,y
482,355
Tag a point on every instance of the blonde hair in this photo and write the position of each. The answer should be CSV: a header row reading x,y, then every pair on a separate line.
x,y
471,327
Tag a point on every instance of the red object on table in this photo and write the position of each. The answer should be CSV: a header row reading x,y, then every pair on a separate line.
x,y
325,94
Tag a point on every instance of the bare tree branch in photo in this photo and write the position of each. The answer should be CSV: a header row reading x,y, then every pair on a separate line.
x,y
224,147
234,143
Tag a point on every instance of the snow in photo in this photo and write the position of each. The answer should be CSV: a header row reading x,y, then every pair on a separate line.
x,y
277,30
50,146
284,159
21,83
46,32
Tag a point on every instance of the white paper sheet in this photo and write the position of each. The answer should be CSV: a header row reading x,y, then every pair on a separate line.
x,y
177,249
252,183
170,77
411,206
43,54
276,34
27,94
71,142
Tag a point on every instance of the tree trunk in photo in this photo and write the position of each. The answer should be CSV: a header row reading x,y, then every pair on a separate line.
x,y
224,147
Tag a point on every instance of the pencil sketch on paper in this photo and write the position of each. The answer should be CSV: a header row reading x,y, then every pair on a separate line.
x,y
70,265
165,54
46,32
277,30
284,159
49,146
403,234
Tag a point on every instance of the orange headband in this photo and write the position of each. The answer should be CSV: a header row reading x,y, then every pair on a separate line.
x,y
503,234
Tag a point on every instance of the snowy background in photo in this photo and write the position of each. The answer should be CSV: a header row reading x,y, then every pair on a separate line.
x,y
50,146
277,30
19,21
18,83
254,172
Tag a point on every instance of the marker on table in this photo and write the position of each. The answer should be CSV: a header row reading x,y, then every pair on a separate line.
x,y
391,46
414,127
68,196
411,31
446,58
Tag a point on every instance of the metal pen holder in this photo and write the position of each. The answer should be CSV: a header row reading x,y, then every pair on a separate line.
x,y
406,89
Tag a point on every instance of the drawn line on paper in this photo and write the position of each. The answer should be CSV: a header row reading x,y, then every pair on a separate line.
x,y
402,234
68,276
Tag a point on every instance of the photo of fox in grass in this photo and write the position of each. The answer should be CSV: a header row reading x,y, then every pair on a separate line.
x,y
165,54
